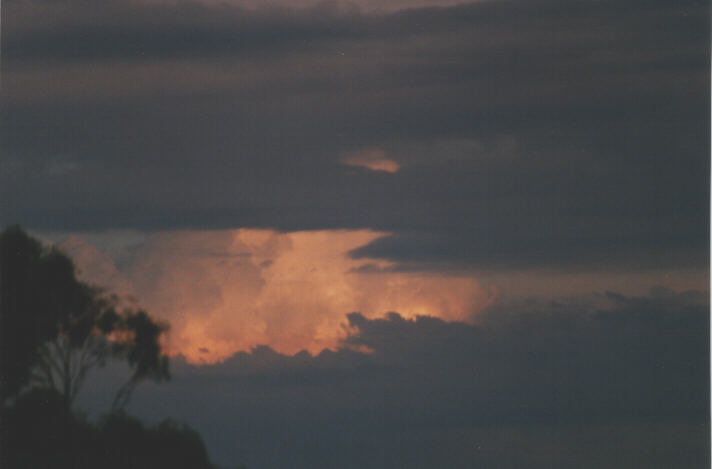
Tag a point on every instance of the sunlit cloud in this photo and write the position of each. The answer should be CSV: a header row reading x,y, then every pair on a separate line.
x,y
229,291
372,158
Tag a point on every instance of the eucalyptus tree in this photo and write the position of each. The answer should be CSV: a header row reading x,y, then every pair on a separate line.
x,y
54,329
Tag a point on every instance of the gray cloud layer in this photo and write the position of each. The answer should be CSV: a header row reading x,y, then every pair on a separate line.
x,y
528,133
607,381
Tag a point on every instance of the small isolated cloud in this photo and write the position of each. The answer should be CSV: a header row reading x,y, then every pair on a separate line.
x,y
372,158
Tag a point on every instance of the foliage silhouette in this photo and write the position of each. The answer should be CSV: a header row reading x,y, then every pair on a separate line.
x,y
37,287
39,432
55,329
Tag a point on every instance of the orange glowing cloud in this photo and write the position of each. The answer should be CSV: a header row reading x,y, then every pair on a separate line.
x,y
226,291
373,159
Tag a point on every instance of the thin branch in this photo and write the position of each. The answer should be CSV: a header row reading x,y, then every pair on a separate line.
x,y
124,394
49,359
79,368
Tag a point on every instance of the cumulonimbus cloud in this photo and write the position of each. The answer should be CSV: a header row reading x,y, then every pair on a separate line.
x,y
231,290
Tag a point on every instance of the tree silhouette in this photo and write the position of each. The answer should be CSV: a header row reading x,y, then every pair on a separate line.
x,y
40,432
54,328
140,346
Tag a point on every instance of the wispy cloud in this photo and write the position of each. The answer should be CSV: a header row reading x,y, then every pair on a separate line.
x,y
372,158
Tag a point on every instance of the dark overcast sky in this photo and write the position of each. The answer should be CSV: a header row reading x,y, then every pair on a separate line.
x,y
614,381
504,136
527,133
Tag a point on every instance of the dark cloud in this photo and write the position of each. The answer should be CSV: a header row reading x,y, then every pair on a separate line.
x,y
604,381
527,133
136,30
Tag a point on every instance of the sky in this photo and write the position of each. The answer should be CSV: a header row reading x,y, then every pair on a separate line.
x,y
385,234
